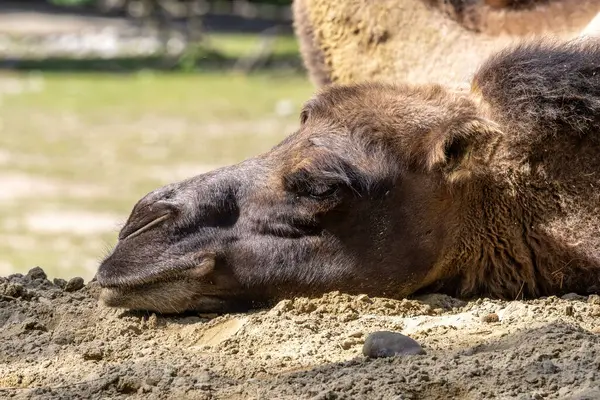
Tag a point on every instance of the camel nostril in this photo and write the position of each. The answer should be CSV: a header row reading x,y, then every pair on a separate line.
x,y
221,210
148,226
144,218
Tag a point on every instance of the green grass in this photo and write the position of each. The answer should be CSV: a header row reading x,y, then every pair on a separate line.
x,y
237,45
106,140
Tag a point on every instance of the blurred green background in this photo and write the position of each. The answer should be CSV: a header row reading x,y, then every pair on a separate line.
x,y
85,134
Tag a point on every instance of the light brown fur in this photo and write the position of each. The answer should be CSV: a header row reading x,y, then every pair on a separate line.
x,y
422,41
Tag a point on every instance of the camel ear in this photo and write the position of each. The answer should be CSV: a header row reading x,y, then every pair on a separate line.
x,y
465,148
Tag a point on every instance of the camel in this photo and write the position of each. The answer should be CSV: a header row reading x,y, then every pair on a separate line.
x,y
390,189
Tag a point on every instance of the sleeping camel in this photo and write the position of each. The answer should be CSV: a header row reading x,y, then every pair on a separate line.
x,y
390,190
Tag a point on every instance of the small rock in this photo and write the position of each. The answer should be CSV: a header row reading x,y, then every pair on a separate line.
x,y
131,328
490,318
203,377
93,353
63,338
61,283
15,290
364,298
388,344
356,334
594,311
594,299
348,316
32,325
74,284
36,273
281,307
569,310
152,322
144,389
347,344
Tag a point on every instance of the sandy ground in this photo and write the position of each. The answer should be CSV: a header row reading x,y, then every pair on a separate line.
x,y
57,342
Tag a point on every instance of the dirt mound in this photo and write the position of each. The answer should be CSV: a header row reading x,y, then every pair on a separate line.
x,y
57,342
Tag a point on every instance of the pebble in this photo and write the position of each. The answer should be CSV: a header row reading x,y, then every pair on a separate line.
x,y
93,353
569,310
594,299
33,325
14,290
364,298
61,283
346,344
152,322
203,377
389,344
490,318
36,273
74,284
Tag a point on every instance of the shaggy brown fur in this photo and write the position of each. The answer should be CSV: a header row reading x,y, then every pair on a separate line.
x,y
423,41
389,190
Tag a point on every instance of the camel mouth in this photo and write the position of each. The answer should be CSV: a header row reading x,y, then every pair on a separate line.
x,y
193,267
111,296
166,300
136,283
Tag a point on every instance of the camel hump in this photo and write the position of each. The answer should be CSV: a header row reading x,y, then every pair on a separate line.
x,y
551,85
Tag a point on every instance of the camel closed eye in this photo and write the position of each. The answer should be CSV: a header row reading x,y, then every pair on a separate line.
x,y
322,191
148,226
